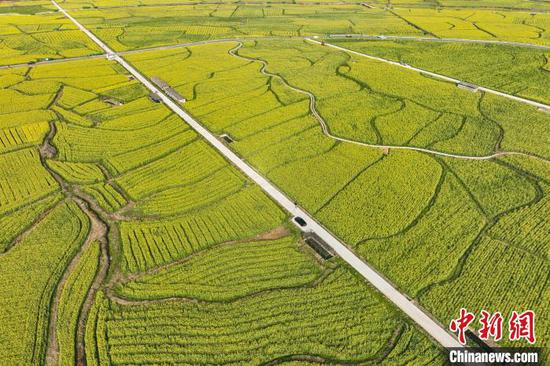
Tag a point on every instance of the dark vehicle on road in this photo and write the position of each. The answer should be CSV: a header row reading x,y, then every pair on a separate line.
x,y
300,221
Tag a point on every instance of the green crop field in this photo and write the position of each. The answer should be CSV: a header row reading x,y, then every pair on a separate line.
x,y
434,216
107,204
142,227
480,24
398,107
123,28
32,33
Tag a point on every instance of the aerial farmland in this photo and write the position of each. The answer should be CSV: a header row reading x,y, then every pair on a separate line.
x,y
274,182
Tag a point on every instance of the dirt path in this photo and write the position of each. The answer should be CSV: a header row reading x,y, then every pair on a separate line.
x,y
98,231
101,230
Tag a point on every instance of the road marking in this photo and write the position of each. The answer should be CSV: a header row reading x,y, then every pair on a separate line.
x,y
419,316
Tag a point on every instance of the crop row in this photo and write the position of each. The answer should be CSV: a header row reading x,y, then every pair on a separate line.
x,y
227,272
244,214
23,179
28,134
185,198
187,165
336,319
106,196
80,173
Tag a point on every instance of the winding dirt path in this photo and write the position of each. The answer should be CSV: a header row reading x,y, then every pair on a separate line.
x,y
326,130
97,232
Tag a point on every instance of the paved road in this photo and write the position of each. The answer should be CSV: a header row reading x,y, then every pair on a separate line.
x,y
54,61
326,130
418,315
442,40
435,75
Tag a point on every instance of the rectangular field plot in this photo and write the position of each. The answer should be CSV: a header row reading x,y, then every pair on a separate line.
x,y
23,180
305,320
228,272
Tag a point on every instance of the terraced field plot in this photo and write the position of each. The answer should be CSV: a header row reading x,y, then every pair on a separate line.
x,y
35,32
112,192
434,216
398,107
123,27
491,4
